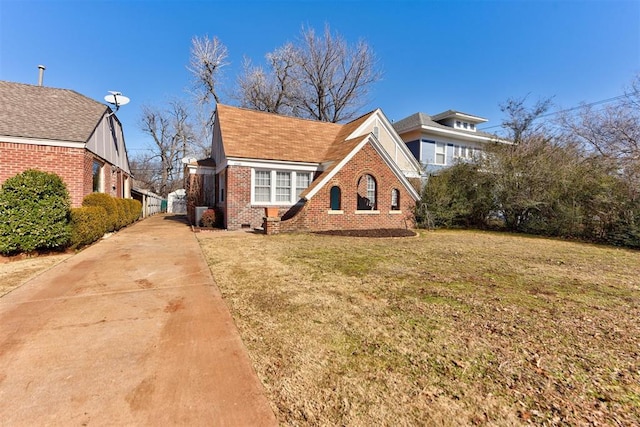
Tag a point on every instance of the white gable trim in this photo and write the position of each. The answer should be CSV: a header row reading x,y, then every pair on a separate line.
x,y
385,156
34,141
378,117
271,164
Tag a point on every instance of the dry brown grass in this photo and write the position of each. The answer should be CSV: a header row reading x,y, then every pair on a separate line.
x,y
14,273
449,328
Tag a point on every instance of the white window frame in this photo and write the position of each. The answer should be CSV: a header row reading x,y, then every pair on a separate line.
x,y
440,149
294,190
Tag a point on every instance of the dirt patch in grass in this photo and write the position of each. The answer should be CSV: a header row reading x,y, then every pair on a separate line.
x,y
450,328
16,270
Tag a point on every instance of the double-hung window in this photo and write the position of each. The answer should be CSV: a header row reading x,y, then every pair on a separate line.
x,y
283,186
440,153
303,179
262,186
279,187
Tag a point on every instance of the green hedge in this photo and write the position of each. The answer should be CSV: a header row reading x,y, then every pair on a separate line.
x,y
109,204
88,224
135,210
34,212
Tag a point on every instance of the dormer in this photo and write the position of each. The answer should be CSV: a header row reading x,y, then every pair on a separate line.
x,y
457,120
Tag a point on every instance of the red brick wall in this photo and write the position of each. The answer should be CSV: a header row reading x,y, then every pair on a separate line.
x,y
314,216
68,163
238,210
73,165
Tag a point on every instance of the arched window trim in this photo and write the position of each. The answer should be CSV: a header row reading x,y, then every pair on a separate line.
x,y
335,201
395,199
370,202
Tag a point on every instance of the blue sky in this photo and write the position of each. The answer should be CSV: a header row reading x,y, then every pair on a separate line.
x,y
435,55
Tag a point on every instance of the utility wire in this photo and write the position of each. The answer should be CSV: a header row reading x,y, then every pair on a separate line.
x,y
602,101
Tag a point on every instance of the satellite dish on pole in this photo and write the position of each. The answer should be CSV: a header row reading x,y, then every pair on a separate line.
x,y
117,99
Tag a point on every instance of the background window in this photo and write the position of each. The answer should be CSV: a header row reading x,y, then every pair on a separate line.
x,y
335,195
440,153
262,189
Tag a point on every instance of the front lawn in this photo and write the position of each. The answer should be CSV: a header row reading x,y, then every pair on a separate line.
x,y
448,328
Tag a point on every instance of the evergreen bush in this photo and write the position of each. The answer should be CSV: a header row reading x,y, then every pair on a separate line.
x,y
109,204
123,217
34,212
135,210
88,224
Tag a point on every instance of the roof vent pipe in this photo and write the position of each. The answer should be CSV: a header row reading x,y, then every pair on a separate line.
x,y
41,74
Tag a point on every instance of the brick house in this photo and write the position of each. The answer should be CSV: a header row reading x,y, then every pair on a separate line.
x,y
63,132
316,175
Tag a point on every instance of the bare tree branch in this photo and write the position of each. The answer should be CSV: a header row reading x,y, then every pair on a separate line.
x,y
172,136
208,58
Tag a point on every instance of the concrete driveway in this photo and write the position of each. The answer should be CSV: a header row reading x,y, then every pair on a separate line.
x,y
131,331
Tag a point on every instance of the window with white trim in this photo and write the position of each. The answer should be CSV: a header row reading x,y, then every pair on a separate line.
x,y
395,199
262,186
440,153
278,187
303,179
283,186
366,193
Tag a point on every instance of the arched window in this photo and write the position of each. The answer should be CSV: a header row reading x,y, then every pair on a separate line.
x,y
335,195
367,193
395,199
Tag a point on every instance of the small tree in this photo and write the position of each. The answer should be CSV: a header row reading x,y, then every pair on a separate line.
x,y
34,212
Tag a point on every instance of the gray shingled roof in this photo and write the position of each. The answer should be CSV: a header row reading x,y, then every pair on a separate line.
x,y
47,113
415,121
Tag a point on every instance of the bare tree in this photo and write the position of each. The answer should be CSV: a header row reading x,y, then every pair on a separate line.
x,y
272,91
320,77
335,78
208,58
172,136
520,122
612,132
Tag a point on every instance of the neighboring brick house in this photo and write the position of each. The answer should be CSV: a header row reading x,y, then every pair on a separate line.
x,y
318,175
63,132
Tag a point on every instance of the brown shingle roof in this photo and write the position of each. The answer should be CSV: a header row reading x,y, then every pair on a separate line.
x,y
47,113
259,135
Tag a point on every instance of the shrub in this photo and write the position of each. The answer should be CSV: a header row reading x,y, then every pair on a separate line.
x,y
123,218
208,218
108,203
135,209
34,212
88,224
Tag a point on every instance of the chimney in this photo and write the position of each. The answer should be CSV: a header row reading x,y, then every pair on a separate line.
x,y
41,74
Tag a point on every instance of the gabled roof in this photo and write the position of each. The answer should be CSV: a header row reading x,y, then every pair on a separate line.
x,y
418,120
255,135
42,112
267,136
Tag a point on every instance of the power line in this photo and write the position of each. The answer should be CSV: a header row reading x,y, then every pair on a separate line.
x,y
591,104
